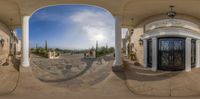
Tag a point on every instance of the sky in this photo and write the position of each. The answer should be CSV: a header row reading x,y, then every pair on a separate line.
x,y
71,27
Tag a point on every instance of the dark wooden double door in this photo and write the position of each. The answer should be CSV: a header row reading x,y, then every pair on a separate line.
x,y
171,54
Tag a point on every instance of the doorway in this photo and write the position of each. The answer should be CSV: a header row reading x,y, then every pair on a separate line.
x,y
171,54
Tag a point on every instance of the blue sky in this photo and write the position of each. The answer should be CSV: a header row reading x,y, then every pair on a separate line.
x,y
71,27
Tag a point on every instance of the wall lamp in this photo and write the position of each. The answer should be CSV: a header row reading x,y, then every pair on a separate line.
x,y
140,41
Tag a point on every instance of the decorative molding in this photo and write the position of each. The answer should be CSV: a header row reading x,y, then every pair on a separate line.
x,y
171,23
171,32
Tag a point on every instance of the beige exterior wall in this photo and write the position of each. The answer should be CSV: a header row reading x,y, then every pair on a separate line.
x,y
4,33
139,30
137,48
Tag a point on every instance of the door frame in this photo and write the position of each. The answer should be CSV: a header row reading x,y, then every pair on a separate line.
x,y
158,55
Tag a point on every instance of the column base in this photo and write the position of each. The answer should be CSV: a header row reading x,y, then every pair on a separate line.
x,y
25,64
25,69
118,68
145,66
187,70
197,66
154,69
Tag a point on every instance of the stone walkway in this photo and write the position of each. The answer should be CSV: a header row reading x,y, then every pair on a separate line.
x,y
113,87
29,87
9,76
143,81
71,71
136,83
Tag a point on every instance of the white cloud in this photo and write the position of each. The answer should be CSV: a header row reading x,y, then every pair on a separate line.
x,y
87,26
45,16
96,24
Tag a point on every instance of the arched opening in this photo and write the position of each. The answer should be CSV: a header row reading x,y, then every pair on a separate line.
x,y
71,43
169,47
175,42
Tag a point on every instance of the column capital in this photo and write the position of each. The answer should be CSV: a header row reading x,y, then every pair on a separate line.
x,y
118,18
188,38
198,41
154,38
144,40
26,16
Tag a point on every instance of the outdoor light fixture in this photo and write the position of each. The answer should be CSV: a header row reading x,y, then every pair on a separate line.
x,y
132,30
140,41
132,26
2,42
171,13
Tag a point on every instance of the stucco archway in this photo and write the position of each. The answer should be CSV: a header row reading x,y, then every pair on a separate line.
x,y
118,61
175,28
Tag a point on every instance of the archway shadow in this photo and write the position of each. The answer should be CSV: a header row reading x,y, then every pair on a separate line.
x,y
13,61
16,63
139,73
88,61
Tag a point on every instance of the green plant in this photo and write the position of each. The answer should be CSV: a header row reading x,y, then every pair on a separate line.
x,y
46,46
104,51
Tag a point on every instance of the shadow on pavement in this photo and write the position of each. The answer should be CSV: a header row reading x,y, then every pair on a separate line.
x,y
83,65
89,65
139,73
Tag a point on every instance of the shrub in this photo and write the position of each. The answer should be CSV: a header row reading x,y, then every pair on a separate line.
x,y
104,51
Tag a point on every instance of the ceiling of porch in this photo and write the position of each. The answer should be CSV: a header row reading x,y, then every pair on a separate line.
x,y
127,9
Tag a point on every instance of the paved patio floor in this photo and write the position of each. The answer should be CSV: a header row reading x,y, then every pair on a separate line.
x,y
143,81
136,83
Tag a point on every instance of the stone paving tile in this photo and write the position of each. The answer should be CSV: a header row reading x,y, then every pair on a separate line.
x,y
8,78
143,81
183,92
86,73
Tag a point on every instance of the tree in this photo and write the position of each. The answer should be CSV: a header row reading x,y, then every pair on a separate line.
x,y
46,46
96,48
97,45
36,46
106,48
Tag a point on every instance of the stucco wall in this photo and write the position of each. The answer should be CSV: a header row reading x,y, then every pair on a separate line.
x,y
137,48
139,30
4,33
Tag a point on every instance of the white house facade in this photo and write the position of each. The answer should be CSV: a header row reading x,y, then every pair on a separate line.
x,y
164,43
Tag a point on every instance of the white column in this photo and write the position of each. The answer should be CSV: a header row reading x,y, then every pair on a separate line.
x,y
188,54
154,54
197,53
118,39
145,52
25,41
